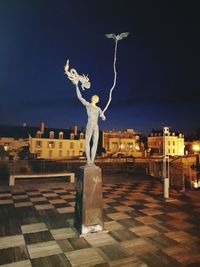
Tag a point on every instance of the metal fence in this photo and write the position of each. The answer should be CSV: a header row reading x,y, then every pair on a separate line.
x,y
182,176
49,166
32,166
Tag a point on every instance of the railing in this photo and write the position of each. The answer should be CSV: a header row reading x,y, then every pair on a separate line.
x,y
37,166
113,166
182,175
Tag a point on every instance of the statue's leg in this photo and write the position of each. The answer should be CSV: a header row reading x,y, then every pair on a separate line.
x,y
88,136
95,143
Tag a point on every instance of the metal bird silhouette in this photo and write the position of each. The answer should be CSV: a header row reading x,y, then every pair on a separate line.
x,y
117,37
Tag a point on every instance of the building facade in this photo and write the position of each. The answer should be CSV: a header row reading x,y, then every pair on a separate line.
x,y
125,143
57,144
174,143
42,142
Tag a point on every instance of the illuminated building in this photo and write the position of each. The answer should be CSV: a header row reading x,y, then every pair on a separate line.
x,y
45,143
174,143
122,143
57,144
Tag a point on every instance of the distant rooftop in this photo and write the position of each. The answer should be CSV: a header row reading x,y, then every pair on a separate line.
x,y
24,132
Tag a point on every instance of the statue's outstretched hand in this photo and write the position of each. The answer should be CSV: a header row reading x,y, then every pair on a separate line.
x,y
75,81
71,74
66,67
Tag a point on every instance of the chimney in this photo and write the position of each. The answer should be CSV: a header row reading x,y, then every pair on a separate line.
x,y
42,127
75,130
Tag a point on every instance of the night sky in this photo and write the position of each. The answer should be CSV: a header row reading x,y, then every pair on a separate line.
x,y
158,80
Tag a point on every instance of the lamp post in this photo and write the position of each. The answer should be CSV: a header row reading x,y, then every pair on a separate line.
x,y
196,148
6,149
166,173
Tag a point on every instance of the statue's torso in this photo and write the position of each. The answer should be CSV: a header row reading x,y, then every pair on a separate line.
x,y
93,113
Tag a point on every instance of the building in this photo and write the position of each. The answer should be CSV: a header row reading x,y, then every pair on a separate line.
x,y
122,143
57,143
174,143
45,143
13,139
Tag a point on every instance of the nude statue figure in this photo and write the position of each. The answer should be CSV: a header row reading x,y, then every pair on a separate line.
x,y
93,112
92,128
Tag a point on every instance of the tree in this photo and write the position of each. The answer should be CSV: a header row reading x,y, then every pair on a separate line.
x,y
23,153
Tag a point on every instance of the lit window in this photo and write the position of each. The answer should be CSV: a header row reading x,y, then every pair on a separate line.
x,y
38,143
39,153
51,144
50,154
71,145
60,153
81,145
123,145
73,153
114,145
60,144
130,145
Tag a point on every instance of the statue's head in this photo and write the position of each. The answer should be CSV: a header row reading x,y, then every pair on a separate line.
x,y
94,99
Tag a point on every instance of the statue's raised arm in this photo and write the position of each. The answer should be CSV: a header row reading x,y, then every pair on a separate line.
x,y
83,101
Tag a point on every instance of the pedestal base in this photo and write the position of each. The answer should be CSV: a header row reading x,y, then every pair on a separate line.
x,y
88,208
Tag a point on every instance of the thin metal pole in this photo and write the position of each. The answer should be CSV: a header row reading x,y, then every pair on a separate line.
x,y
165,164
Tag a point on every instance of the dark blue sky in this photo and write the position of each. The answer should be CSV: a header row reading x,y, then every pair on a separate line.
x,y
158,64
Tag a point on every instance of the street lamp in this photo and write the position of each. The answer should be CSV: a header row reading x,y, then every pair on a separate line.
x,y
6,151
196,148
6,147
165,163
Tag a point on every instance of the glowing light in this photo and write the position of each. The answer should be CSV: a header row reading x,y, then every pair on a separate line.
x,y
196,147
6,147
137,147
122,146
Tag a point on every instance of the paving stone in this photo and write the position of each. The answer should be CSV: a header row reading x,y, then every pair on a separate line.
x,y
36,227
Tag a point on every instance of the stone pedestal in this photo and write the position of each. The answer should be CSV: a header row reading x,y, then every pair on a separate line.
x,y
89,205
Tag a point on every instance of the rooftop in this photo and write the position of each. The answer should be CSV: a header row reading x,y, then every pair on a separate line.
x,y
24,132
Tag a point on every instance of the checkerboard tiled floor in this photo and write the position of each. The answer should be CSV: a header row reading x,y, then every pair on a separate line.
x,y
36,227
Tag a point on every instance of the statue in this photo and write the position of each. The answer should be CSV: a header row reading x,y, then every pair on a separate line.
x,y
93,111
